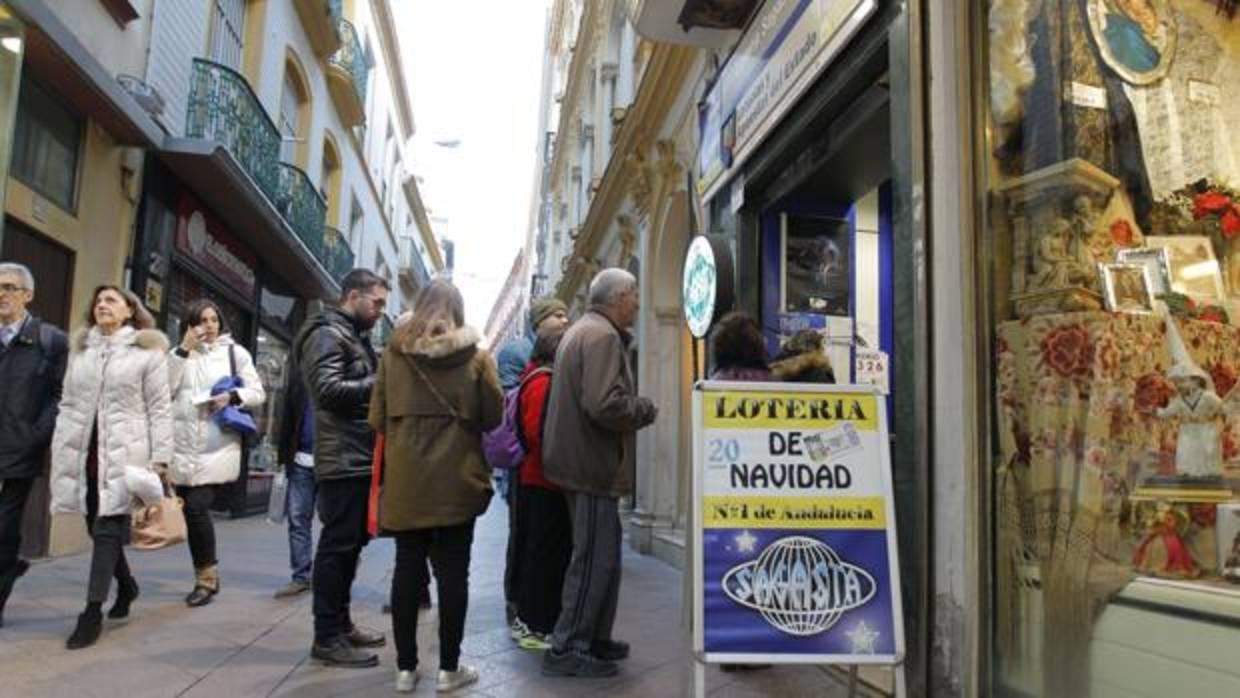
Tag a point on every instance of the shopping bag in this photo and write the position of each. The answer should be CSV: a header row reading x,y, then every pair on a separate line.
x,y
376,484
277,501
159,525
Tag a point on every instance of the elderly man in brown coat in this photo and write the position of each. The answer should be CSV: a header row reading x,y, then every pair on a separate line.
x,y
592,415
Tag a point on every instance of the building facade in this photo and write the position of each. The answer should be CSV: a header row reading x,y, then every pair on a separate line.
x,y
244,151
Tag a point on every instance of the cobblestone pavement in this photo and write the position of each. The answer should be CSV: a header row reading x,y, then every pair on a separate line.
x,y
248,644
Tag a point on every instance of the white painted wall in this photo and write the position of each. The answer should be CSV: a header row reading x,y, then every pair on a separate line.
x,y
178,35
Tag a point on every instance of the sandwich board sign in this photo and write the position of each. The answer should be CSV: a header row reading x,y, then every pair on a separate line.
x,y
794,556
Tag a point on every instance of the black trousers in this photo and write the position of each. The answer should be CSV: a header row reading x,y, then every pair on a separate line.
x,y
199,528
547,546
448,548
342,512
13,495
110,535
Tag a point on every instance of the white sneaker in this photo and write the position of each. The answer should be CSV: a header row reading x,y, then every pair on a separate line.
x,y
518,630
452,680
406,681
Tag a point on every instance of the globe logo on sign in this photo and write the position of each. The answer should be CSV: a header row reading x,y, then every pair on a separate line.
x,y
799,585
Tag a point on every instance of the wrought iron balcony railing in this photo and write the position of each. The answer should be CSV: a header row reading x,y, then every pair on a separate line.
x,y
224,109
336,255
352,59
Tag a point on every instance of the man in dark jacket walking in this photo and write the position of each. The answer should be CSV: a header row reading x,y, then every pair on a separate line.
x,y
592,416
338,366
32,367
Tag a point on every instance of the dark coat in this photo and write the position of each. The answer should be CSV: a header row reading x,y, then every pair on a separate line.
x,y
433,400
291,413
594,410
32,370
338,367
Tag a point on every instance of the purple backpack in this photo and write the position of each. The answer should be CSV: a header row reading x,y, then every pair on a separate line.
x,y
504,446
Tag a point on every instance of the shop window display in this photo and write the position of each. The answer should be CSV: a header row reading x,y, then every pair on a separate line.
x,y
1113,152
271,361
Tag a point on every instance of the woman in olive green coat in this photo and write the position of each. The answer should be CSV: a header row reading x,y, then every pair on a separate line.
x,y
436,392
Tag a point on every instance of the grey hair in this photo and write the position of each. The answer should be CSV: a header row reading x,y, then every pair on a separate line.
x,y
20,270
609,284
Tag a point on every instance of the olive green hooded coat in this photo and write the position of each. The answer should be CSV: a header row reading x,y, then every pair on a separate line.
x,y
432,400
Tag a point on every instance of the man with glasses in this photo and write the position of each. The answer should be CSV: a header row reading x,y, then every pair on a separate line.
x,y
338,366
32,366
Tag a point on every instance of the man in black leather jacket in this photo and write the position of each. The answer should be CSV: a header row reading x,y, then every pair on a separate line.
x,y
338,366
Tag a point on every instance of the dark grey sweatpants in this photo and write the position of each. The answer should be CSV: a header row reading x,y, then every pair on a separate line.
x,y
592,583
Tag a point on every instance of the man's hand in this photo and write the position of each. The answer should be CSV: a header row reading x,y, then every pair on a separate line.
x,y
646,411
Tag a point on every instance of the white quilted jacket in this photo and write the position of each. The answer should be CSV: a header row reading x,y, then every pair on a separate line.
x,y
205,455
120,382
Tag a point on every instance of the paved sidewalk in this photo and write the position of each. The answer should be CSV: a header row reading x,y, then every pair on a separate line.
x,y
249,644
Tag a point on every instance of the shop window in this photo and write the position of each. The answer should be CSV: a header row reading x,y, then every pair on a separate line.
x,y
227,32
47,141
1112,153
271,360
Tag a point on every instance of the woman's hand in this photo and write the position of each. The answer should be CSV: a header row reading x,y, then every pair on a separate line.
x,y
190,340
219,402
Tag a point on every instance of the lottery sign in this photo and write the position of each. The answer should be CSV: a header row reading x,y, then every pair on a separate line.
x,y
795,557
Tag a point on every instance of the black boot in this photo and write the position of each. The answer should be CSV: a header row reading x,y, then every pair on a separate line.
x,y
89,625
126,592
7,580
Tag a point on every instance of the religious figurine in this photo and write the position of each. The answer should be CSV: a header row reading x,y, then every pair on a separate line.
x,y
1059,262
1198,447
1162,550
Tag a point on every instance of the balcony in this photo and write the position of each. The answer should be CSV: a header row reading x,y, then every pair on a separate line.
x,y
304,209
335,254
223,108
347,73
320,19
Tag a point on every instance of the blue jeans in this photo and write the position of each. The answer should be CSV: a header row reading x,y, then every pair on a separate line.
x,y
302,491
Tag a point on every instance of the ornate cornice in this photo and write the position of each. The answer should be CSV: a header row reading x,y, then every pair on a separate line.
x,y
665,75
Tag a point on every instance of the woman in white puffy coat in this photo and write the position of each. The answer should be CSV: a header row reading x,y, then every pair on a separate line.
x,y
206,456
113,430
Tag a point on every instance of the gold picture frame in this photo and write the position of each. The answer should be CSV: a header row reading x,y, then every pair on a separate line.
x,y
1126,288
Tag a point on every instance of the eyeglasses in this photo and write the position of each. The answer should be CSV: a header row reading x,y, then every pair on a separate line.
x,y
11,288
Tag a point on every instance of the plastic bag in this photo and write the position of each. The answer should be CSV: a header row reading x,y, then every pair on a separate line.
x,y
277,503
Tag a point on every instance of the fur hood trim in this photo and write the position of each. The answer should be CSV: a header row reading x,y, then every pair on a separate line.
x,y
150,340
443,345
791,368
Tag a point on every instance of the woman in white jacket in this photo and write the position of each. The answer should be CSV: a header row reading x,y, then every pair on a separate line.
x,y
115,423
205,455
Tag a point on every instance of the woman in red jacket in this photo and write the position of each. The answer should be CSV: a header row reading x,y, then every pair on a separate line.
x,y
542,512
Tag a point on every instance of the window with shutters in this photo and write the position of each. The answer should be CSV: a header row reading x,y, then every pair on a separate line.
x,y
291,101
227,32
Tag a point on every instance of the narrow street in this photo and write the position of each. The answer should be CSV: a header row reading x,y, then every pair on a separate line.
x,y
249,644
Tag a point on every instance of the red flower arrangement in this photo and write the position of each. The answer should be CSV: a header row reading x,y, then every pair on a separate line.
x,y
1121,233
1068,350
1220,204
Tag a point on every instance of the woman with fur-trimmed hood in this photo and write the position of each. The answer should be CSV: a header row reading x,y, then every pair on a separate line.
x,y
801,360
435,393
113,432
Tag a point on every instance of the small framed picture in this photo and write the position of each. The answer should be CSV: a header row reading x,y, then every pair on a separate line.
x,y
1193,268
1126,288
1228,534
1157,265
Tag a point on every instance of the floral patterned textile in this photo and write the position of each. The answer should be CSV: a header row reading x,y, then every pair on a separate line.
x,y
1076,397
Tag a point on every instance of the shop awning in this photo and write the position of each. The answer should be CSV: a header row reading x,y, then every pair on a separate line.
x,y
214,175
54,53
